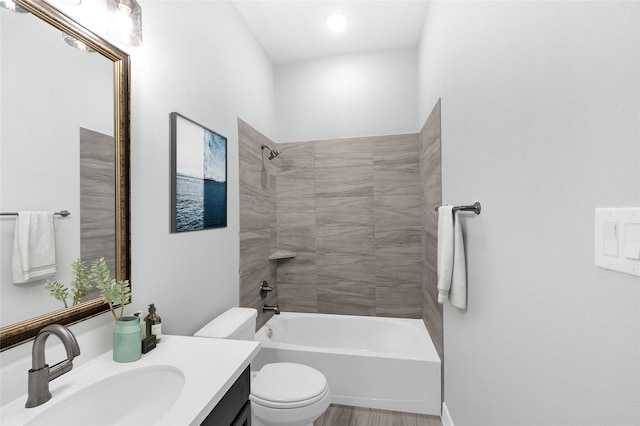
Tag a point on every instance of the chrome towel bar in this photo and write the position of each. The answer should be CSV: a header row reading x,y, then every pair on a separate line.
x,y
63,213
476,207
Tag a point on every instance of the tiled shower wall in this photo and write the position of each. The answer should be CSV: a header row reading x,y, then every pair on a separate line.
x,y
350,210
257,219
431,186
358,213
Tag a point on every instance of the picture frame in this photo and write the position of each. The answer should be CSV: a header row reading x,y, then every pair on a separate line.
x,y
198,176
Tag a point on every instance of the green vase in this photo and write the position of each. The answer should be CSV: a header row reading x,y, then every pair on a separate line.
x,y
127,345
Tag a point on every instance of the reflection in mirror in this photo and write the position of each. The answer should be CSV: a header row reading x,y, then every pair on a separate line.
x,y
62,149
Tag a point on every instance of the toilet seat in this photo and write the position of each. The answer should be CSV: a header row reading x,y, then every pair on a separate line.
x,y
288,385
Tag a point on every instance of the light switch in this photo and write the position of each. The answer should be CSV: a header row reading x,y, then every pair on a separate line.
x,y
632,241
617,239
610,239
632,251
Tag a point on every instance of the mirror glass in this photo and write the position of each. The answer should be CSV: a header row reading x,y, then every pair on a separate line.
x,y
61,148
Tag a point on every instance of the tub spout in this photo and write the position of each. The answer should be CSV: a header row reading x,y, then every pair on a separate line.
x,y
275,309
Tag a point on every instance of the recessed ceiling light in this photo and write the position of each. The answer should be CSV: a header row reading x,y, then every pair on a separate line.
x,y
336,22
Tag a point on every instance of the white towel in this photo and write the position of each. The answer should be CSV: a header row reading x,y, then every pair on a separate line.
x,y
452,272
34,247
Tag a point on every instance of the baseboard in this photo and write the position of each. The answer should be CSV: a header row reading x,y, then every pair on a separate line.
x,y
446,416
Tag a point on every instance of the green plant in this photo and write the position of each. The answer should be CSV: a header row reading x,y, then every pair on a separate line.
x,y
114,292
80,285
80,282
58,290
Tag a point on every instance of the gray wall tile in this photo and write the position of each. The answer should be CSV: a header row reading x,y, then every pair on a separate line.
x,y
257,218
352,269
297,297
397,179
251,139
295,156
344,211
255,212
344,152
97,192
296,183
300,269
344,182
396,150
402,302
297,212
345,241
397,211
402,242
347,300
298,239
430,175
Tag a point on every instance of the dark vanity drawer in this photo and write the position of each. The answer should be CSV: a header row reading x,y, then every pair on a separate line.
x,y
234,409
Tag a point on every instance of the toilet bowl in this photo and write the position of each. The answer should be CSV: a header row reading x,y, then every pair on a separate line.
x,y
288,394
283,393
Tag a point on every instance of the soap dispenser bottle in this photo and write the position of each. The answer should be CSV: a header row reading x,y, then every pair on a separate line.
x,y
153,323
143,324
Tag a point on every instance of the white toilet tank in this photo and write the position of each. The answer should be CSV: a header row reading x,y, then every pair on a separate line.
x,y
235,324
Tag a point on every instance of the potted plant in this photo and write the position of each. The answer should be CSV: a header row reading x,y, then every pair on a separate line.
x,y
127,344
113,291
126,330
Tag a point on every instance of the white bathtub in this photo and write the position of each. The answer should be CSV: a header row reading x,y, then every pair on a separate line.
x,y
384,363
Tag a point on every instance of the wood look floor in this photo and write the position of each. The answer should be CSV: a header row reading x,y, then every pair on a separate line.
x,y
341,415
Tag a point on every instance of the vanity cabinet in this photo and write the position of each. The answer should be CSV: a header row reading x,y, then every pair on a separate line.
x,y
234,409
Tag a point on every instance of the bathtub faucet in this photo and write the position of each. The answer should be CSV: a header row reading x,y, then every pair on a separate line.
x,y
275,309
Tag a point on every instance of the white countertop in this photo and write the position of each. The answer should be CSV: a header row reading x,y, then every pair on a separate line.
x,y
210,367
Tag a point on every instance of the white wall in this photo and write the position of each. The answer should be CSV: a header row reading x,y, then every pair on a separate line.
x,y
367,94
40,144
540,110
199,59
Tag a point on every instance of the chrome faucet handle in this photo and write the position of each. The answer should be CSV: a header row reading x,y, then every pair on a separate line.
x,y
264,289
264,285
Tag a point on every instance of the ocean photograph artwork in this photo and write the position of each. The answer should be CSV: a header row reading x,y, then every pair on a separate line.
x,y
200,176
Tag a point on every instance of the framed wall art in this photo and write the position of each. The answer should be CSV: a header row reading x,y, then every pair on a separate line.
x,y
199,176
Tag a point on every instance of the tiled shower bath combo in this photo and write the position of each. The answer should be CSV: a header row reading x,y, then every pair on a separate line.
x,y
359,215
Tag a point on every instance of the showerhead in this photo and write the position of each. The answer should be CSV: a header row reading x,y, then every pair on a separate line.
x,y
273,153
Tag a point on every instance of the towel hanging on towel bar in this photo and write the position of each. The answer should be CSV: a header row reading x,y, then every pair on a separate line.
x,y
34,247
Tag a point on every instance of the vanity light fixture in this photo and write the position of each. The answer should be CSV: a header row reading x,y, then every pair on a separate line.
x,y
126,25
75,43
12,6
337,22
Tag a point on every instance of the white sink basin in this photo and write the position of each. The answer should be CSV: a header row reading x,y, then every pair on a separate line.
x,y
139,396
177,383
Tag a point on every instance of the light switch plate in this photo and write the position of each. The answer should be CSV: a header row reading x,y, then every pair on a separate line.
x,y
616,239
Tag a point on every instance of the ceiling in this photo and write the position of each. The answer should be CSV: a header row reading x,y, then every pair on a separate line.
x,y
296,30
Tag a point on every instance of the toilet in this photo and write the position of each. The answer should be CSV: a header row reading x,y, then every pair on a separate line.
x,y
282,393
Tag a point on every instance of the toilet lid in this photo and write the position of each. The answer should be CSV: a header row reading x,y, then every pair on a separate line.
x,y
286,383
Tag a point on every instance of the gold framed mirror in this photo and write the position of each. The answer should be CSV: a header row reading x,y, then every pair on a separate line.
x,y
17,333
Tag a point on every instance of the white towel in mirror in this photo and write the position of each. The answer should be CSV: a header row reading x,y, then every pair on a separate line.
x,y
34,247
